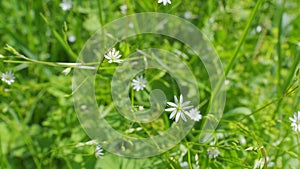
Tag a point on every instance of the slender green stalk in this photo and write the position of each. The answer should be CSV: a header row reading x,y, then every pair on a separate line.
x,y
278,49
100,12
242,40
189,157
64,44
288,80
60,39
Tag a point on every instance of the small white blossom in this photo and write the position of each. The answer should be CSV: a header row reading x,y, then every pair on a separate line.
x,y
8,77
123,9
66,5
139,83
179,108
195,114
295,121
141,108
66,71
260,163
131,25
99,151
258,28
113,56
164,2
213,152
72,38
189,15
184,164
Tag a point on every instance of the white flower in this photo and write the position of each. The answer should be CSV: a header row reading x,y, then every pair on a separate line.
x,y
213,152
66,71
131,25
113,56
8,77
184,164
260,163
99,151
123,9
189,15
66,5
72,38
258,28
295,121
165,2
179,108
195,114
141,108
139,83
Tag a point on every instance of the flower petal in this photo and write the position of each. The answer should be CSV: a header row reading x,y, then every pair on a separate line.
x,y
172,104
177,117
181,99
175,99
170,109
172,114
185,103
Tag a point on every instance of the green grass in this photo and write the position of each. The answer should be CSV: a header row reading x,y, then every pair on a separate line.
x,y
39,127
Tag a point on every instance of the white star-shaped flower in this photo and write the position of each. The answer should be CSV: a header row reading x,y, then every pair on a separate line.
x,y
113,56
213,152
295,121
139,83
123,9
164,2
179,108
8,77
195,114
99,151
66,5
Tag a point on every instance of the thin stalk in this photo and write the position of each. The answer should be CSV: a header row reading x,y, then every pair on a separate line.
x,y
288,80
60,39
100,12
242,40
189,157
278,48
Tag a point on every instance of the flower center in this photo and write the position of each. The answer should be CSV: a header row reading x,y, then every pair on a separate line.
x,y
179,108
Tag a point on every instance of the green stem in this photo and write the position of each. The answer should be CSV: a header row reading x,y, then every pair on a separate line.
x,y
288,80
100,10
242,40
60,39
189,157
278,73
